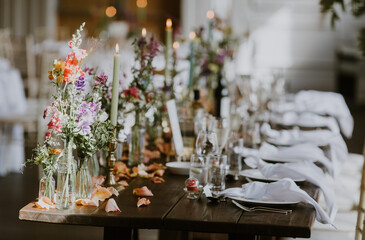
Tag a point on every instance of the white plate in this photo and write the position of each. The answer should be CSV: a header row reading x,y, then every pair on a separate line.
x,y
275,159
255,174
179,168
264,202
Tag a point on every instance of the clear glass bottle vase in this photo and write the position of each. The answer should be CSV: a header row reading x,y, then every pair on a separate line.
x,y
137,142
83,180
46,187
66,177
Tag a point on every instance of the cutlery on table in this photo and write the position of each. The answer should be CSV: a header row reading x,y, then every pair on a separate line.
x,y
264,209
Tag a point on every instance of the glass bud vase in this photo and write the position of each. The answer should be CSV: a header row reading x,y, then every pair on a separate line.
x,y
84,184
66,178
46,187
137,142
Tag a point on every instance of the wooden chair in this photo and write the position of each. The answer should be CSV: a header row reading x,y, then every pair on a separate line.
x,y
360,224
6,46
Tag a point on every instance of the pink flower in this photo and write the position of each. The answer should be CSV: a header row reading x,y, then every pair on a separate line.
x,y
48,134
55,122
133,92
45,113
71,44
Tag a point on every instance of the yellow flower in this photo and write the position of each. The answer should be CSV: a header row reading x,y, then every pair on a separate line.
x,y
213,67
59,65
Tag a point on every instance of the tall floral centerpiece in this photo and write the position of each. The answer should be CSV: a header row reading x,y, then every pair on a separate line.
x,y
140,95
75,119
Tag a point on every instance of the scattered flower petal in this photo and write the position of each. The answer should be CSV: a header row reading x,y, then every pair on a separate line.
x,y
157,179
142,192
87,202
111,206
143,201
123,183
113,191
98,181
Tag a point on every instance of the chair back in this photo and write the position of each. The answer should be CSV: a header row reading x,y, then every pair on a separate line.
x,y
361,208
6,46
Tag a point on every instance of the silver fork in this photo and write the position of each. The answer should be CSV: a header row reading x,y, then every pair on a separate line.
x,y
264,209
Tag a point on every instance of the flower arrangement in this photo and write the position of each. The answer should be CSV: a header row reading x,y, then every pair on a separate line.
x,y
76,117
141,92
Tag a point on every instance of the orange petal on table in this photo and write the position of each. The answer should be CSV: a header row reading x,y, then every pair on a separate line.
x,y
97,181
159,172
43,205
123,183
111,206
144,174
142,192
120,167
113,191
87,202
47,201
143,201
157,179
100,193
155,166
135,171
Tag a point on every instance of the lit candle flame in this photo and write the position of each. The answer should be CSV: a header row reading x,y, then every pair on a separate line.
x,y
168,23
192,35
210,14
176,45
117,48
144,32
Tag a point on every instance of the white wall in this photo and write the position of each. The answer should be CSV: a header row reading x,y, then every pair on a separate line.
x,y
291,34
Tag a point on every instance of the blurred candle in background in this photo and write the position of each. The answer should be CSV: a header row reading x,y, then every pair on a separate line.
x,y
144,32
168,46
210,16
192,58
115,90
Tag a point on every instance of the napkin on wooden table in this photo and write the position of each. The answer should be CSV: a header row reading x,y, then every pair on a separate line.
x,y
282,190
306,170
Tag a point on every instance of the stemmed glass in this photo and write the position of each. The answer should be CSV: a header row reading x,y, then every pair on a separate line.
x,y
222,131
206,143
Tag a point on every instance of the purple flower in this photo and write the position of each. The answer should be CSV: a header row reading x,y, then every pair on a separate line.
x,y
87,116
141,41
220,59
101,79
80,83
152,47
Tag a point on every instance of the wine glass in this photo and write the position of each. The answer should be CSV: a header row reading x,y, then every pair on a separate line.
x,y
222,131
206,143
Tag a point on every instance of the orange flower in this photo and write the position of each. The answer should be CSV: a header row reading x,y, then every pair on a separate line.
x,y
59,65
50,75
54,151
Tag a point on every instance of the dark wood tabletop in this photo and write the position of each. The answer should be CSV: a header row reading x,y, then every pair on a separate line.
x,y
171,210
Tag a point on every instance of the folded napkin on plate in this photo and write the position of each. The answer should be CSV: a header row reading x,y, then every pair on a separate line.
x,y
282,190
305,119
329,103
337,151
300,152
306,170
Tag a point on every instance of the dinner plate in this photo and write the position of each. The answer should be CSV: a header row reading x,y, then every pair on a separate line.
x,y
255,174
179,168
277,159
265,202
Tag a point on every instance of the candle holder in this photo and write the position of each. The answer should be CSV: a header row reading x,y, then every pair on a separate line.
x,y
110,162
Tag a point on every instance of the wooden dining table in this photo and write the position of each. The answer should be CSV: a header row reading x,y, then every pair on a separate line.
x,y
170,209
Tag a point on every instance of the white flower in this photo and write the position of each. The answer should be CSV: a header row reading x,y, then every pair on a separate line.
x,y
103,117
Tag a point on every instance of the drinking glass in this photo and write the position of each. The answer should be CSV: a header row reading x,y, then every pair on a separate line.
x,y
222,131
217,172
234,165
188,136
199,169
206,143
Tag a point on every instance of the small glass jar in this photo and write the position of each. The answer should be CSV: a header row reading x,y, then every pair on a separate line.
x,y
46,187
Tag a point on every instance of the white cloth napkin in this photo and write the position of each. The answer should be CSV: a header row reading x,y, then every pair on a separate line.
x,y
300,152
305,119
306,170
324,103
329,103
282,190
338,149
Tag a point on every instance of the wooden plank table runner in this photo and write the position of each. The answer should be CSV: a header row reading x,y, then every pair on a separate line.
x,y
171,210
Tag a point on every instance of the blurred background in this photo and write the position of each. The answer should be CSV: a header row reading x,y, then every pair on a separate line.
x,y
315,50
